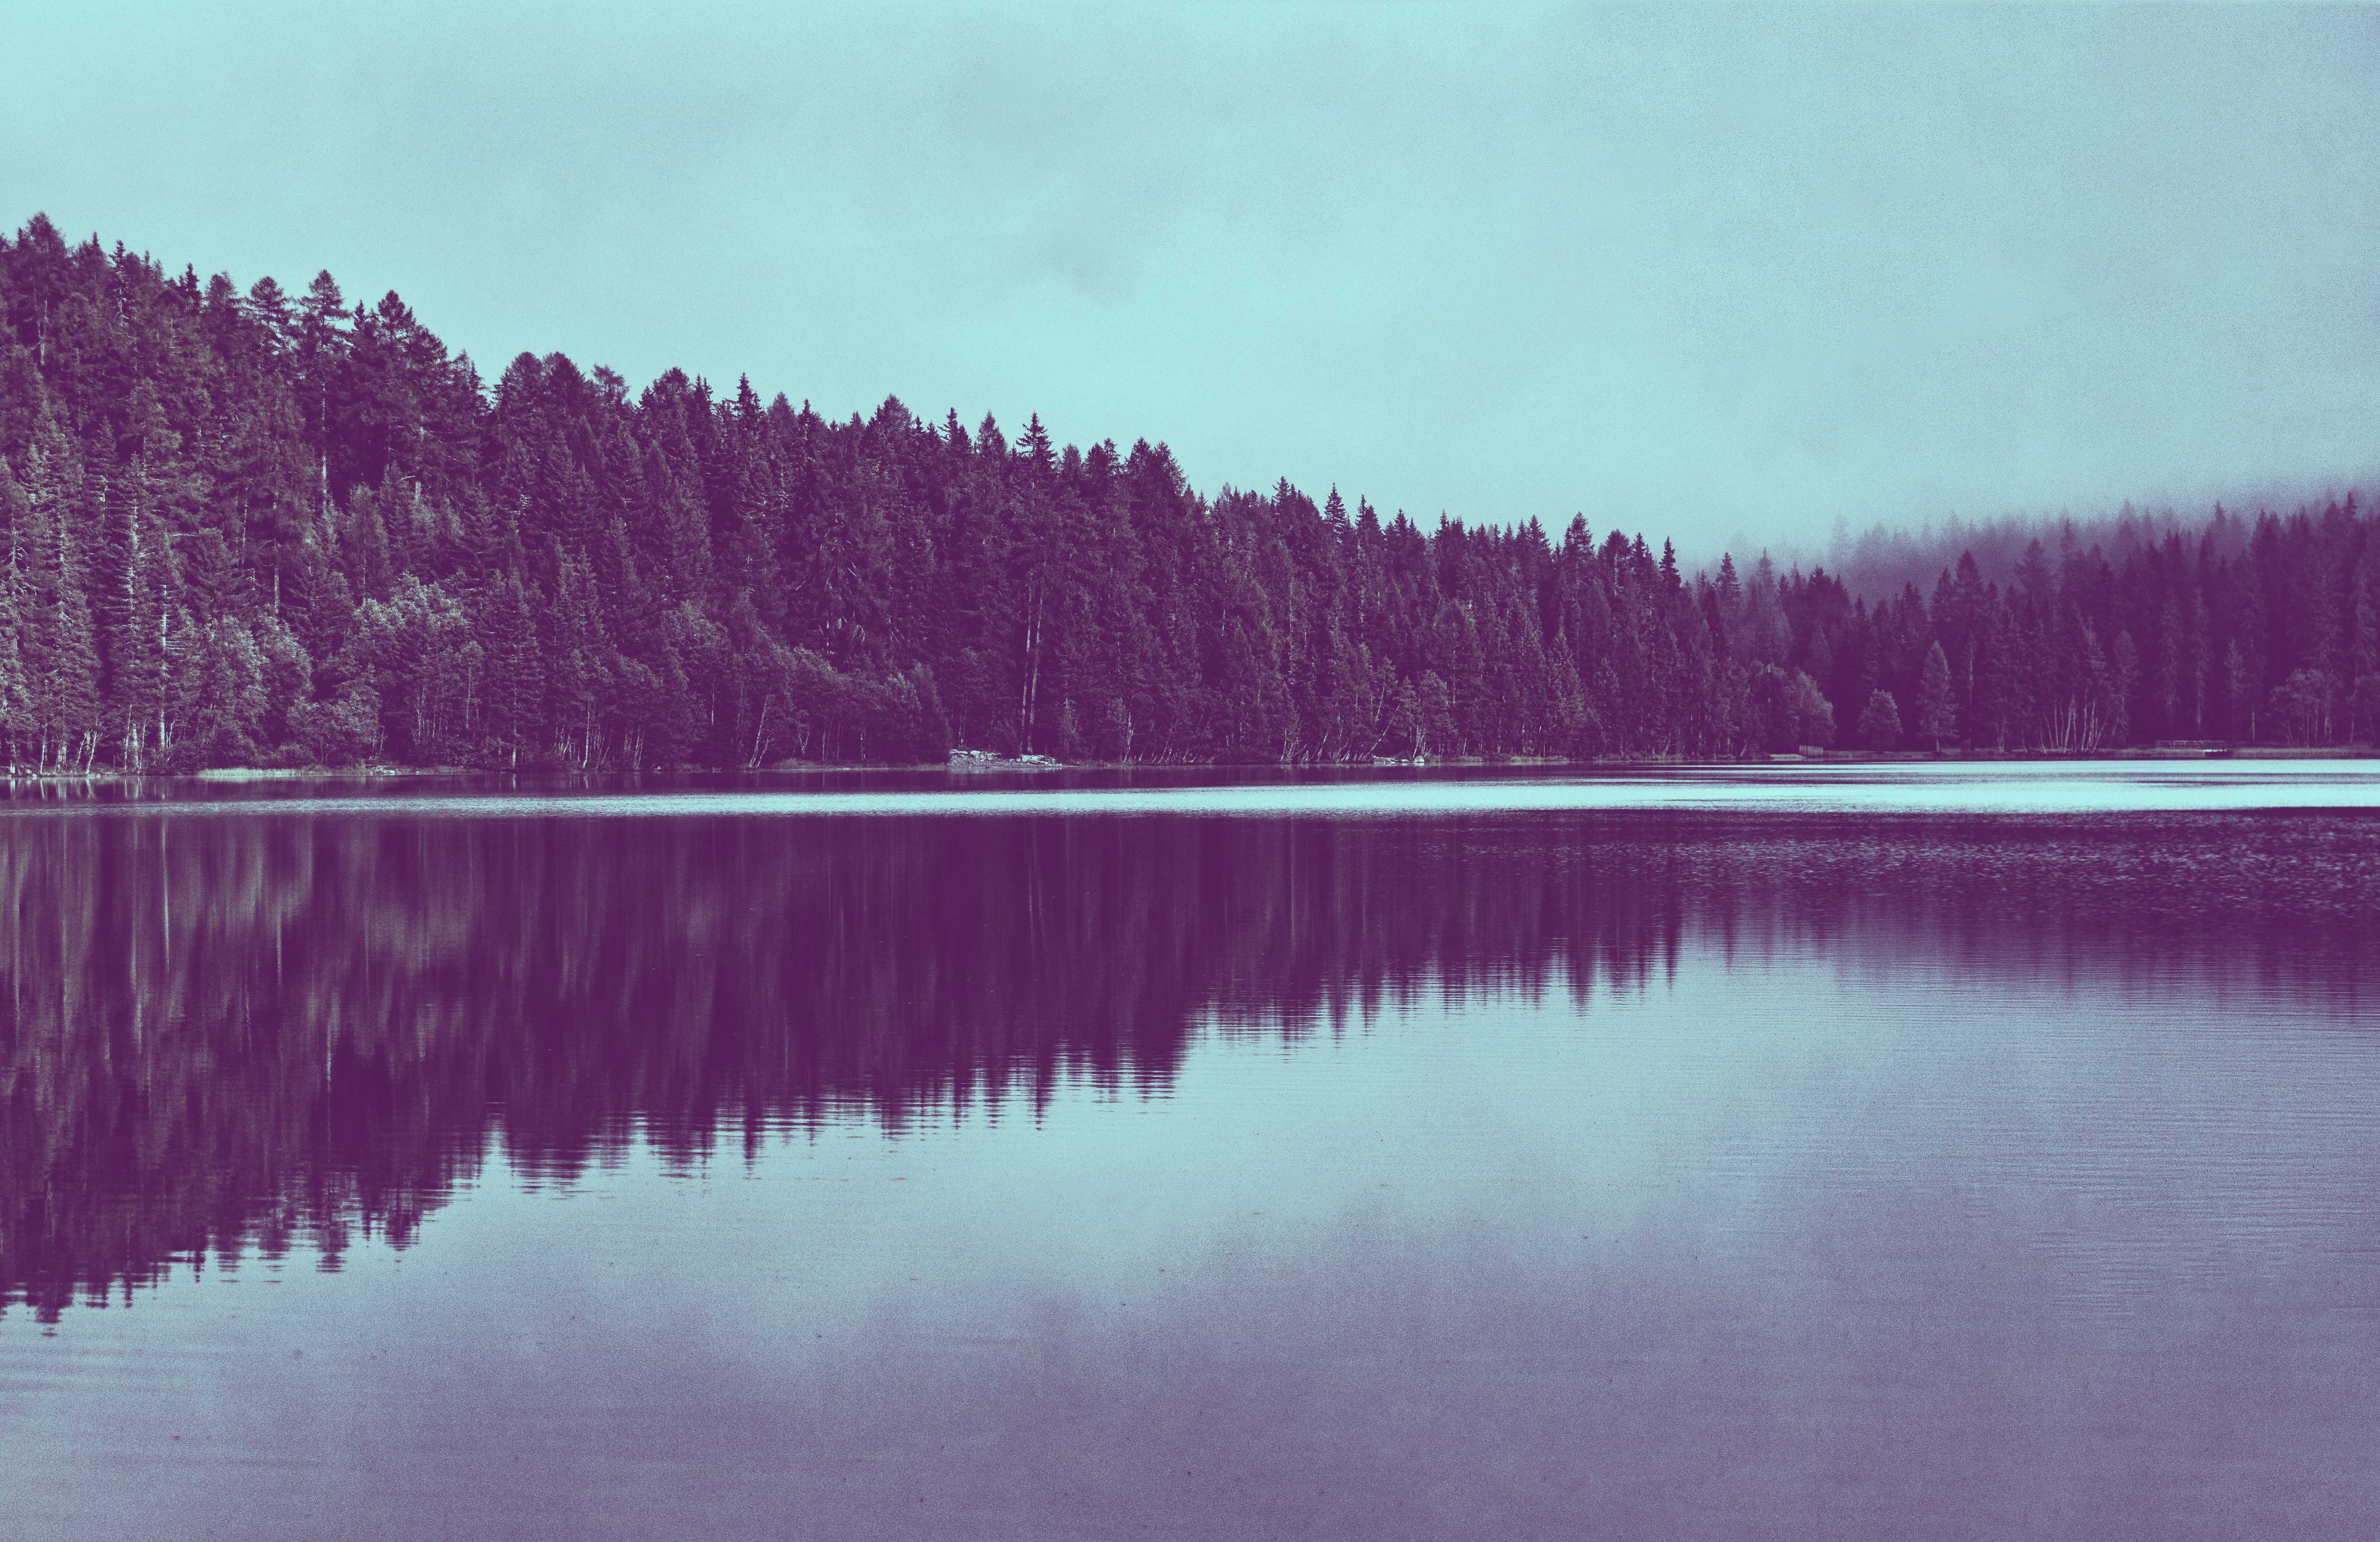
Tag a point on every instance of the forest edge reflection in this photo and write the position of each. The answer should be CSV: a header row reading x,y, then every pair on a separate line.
x,y
230,1033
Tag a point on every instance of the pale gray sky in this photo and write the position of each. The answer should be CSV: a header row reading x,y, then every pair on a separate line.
x,y
1693,271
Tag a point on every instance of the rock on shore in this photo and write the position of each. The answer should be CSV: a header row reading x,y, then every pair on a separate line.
x,y
986,760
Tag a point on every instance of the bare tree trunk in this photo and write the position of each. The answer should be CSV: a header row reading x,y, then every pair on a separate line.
x,y
759,729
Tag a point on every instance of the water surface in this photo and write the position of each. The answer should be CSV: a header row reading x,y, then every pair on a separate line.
x,y
1355,1157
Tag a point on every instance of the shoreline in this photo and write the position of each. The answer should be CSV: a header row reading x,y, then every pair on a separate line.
x,y
240,775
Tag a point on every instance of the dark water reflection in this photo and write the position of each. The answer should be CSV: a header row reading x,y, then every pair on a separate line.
x,y
1658,1175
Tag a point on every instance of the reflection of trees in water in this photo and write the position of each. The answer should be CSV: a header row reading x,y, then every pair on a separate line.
x,y
222,1031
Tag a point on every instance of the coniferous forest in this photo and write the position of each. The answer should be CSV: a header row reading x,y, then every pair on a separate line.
x,y
266,528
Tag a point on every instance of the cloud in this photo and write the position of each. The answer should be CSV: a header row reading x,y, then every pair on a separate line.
x,y
1692,269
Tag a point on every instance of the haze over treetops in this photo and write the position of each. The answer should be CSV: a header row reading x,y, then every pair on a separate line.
x,y
271,528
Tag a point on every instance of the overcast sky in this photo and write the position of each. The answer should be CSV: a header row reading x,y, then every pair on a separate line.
x,y
1693,271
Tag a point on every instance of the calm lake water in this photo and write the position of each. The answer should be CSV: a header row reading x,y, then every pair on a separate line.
x,y
1802,1153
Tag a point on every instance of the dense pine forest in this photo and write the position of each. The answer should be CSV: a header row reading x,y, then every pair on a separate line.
x,y
265,527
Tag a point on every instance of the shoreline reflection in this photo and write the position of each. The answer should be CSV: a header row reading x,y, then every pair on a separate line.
x,y
282,1034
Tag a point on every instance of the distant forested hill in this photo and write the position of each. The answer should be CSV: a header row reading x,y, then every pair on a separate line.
x,y
266,528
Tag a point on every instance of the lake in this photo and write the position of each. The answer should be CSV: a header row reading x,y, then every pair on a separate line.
x,y
1826,1153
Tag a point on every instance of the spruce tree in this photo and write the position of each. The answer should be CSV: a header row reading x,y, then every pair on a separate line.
x,y
1937,711
61,658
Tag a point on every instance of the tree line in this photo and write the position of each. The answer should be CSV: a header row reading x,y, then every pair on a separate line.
x,y
271,527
